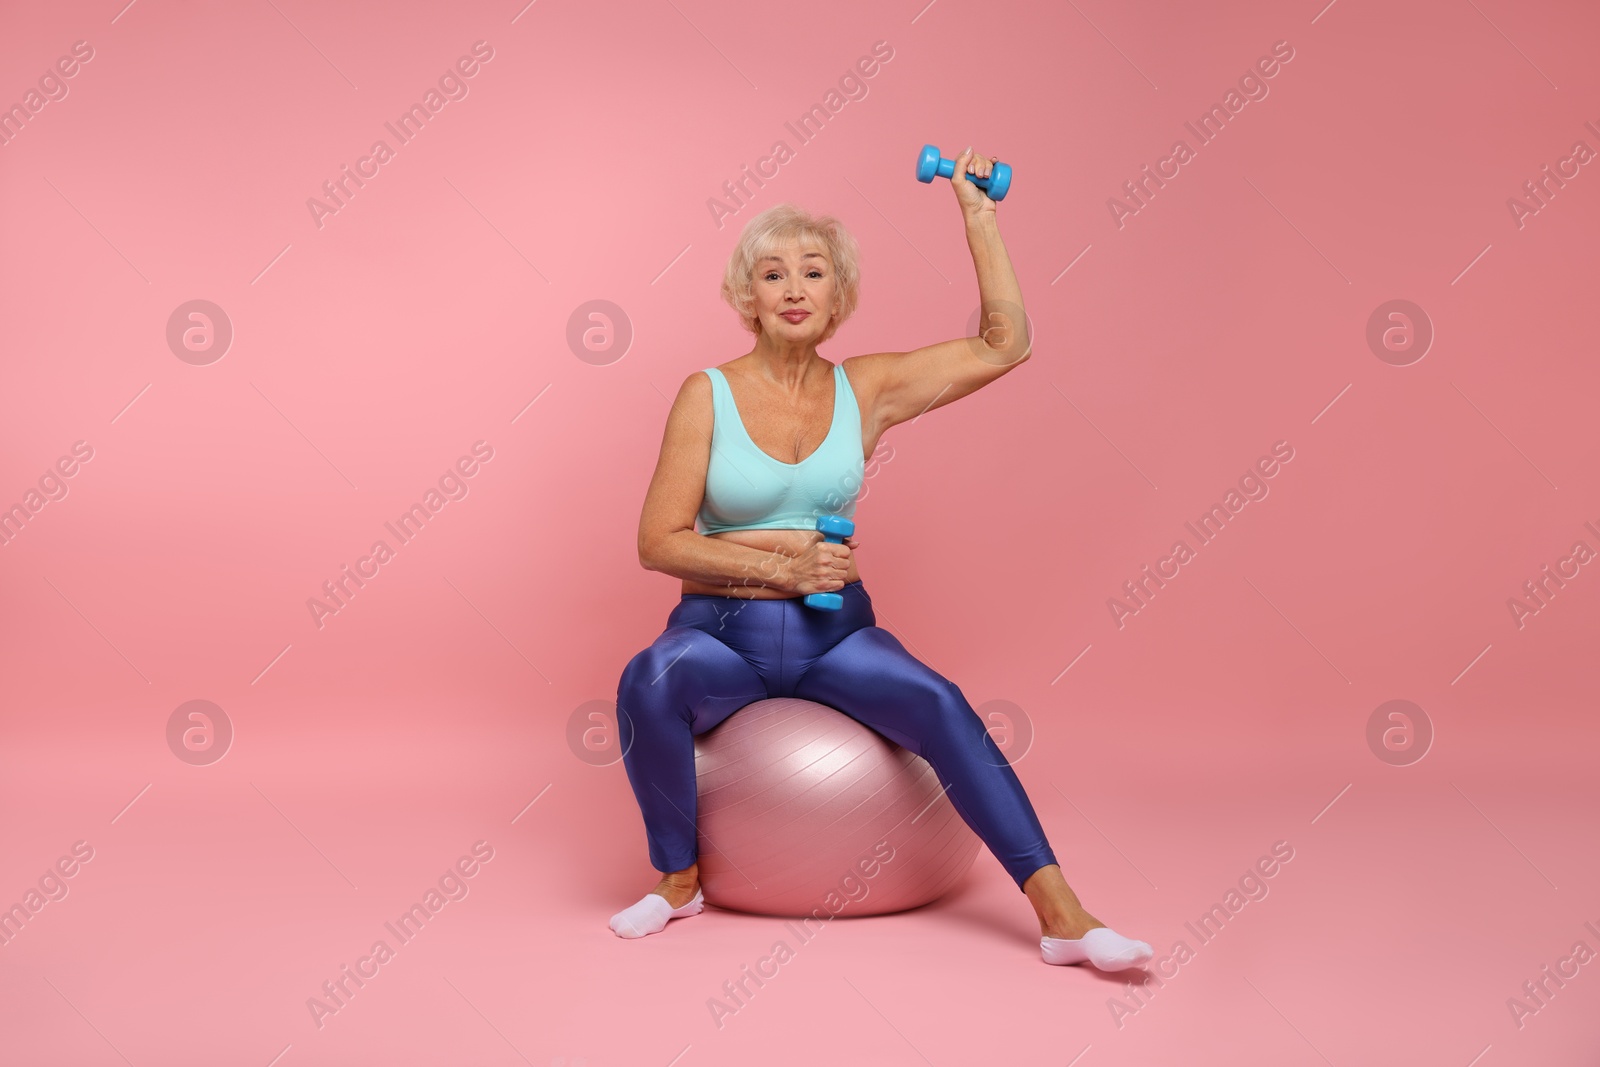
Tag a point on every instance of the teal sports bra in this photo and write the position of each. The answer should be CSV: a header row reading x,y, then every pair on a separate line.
x,y
746,489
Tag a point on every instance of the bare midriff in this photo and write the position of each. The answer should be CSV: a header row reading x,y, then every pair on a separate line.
x,y
775,546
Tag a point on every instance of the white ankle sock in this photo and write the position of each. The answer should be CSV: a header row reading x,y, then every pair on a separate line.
x,y
1102,946
650,915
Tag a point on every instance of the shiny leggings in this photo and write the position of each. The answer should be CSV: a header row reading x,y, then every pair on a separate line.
x,y
719,653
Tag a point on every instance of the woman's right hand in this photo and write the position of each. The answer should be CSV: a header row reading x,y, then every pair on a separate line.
x,y
823,567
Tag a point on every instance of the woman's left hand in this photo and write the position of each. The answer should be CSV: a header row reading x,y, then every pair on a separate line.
x,y
974,202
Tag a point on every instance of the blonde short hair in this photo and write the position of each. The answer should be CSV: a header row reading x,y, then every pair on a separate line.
x,y
777,226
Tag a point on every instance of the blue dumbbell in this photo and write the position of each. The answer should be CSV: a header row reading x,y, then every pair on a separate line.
x,y
834,528
930,166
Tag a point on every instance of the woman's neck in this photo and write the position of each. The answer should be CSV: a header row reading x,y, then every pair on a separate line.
x,y
784,364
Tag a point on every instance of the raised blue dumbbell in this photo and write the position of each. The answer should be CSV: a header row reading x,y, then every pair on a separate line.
x,y
930,166
834,528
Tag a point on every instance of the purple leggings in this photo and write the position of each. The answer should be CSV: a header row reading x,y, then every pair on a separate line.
x,y
719,653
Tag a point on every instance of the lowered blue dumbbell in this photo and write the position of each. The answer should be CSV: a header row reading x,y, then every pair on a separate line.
x,y
834,528
930,166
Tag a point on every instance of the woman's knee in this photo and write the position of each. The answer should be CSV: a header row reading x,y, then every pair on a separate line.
x,y
648,681
947,711
639,682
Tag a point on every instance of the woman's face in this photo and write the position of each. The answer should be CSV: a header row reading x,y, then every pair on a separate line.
x,y
796,296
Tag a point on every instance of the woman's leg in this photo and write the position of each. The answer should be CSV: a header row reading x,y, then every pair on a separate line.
x,y
684,684
871,677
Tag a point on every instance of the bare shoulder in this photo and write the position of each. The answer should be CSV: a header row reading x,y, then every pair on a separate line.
x,y
691,412
694,393
696,383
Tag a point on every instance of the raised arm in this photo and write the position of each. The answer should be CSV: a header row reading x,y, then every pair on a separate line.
x,y
907,384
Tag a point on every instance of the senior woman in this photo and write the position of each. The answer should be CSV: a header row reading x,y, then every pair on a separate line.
x,y
755,450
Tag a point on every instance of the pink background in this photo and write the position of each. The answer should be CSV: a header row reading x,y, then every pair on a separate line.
x,y
430,312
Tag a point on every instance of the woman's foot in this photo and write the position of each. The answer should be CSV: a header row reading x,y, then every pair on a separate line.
x,y
1081,938
1068,934
676,896
680,887
1101,946
1070,927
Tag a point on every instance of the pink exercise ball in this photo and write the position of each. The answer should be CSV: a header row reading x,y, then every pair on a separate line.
x,y
803,810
